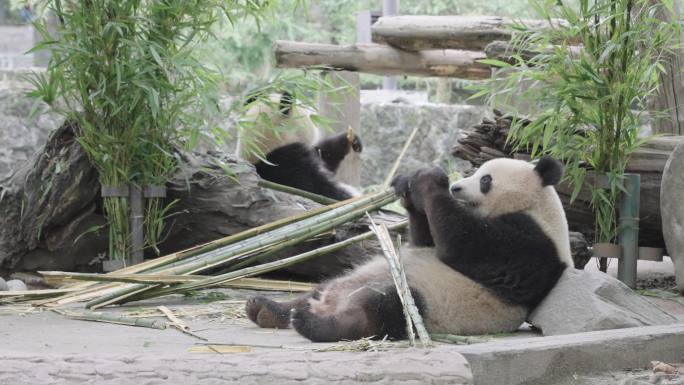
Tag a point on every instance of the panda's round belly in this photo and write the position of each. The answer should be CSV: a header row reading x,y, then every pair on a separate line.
x,y
454,303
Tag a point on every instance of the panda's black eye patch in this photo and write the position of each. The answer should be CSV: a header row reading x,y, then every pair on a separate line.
x,y
486,183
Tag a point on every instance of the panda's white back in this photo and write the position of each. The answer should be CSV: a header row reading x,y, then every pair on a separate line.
x,y
265,120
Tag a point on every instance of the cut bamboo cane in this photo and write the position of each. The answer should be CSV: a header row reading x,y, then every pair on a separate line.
x,y
159,265
295,191
155,279
90,290
397,162
411,313
267,267
115,319
228,253
275,265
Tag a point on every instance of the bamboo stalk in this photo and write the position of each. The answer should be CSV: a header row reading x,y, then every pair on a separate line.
x,y
295,191
229,253
395,166
399,277
154,279
115,319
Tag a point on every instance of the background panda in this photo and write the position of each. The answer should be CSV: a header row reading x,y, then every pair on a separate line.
x,y
485,252
296,156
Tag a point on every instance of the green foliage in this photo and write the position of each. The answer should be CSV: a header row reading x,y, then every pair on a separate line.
x,y
126,72
587,103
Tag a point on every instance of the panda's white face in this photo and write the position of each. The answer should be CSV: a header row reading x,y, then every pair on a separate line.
x,y
500,186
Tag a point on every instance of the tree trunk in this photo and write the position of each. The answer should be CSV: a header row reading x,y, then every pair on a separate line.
x,y
416,33
670,98
382,60
51,203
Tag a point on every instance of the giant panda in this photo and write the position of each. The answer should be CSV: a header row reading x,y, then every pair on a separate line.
x,y
295,153
485,252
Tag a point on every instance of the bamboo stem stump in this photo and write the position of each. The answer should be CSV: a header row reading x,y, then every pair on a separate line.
x,y
629,233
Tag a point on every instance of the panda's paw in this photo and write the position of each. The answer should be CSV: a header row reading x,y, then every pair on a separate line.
x,y
403,189
267,313
428,180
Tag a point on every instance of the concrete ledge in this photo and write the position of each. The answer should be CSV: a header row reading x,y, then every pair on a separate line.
x,y
406,366
543,360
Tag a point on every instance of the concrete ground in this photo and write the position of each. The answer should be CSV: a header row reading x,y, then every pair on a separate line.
x,y
43,347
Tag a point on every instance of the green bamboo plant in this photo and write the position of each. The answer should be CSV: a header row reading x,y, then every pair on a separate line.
x,y
586,89
125,71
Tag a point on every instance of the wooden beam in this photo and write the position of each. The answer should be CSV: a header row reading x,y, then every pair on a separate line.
x,y
381,60
504,51
415,33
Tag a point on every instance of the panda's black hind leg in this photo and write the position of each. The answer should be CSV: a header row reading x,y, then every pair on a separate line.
x,y
270,314
372,313
297,165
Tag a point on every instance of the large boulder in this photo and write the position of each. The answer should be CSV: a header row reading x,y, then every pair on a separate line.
x,y
584,301
672,211
21,134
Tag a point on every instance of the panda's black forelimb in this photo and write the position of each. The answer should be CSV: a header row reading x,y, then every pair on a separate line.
x,y
298,165
509,254
335,148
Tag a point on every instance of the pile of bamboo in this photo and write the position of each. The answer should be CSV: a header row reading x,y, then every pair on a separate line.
x,y
235,257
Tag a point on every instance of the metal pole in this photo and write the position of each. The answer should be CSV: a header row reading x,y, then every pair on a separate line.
x,y
389,8
629,230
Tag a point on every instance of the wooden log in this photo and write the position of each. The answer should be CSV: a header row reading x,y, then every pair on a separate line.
x,y
381,60
503,50
416,33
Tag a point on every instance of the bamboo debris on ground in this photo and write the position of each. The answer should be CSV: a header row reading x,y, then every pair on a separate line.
x,y
459,340
113,318
413,317
152,279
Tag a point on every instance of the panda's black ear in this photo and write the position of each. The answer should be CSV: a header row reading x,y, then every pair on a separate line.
x,y
550,170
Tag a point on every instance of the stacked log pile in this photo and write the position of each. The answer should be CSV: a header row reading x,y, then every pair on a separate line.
x,y
486,140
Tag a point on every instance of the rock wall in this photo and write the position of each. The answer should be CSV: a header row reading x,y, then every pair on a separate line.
x,y
385,127
20,134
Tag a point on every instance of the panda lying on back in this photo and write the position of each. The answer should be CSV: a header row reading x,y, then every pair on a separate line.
x,y
296,157
485,252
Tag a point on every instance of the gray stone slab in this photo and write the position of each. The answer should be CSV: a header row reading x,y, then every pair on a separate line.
x,y
672,211
542,361
48,348
585,301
